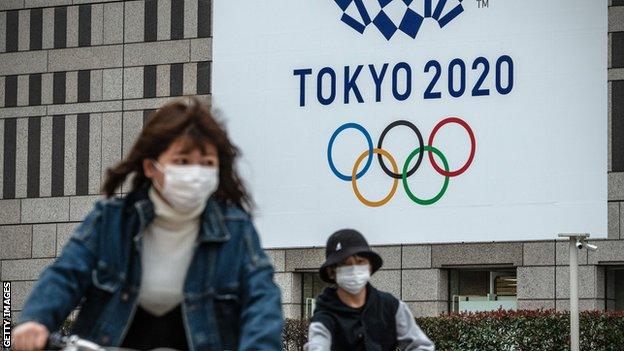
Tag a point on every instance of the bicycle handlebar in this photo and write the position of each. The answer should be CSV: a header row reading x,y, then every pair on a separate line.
x,y
56,341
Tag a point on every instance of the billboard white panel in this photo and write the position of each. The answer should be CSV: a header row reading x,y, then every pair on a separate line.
x,y
511,94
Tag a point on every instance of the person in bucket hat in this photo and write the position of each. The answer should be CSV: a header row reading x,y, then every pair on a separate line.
x,y
352,314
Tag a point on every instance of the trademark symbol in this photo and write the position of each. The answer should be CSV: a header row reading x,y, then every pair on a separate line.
x,y
483,3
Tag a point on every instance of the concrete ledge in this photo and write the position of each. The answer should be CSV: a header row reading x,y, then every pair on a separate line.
x,y
201,49
145,104
427,308
15,241
63,232
304,259
19,293
609,251
45,3
388,281
616,74
157,53
278,259
80,206
562,252
536,283
290,286
613,220
45,210
85,107
93,57
476,254
588,282
44,240
11,4
616,186
91,1
24,62
28,269
584,305
536,304
291,311
417,256
424,285
18,112
391,256
10,212
539,253
616,19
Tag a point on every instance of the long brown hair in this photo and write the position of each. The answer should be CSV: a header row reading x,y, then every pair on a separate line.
x,y
196,124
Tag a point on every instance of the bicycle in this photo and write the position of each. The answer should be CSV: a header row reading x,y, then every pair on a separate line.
x,y
57,341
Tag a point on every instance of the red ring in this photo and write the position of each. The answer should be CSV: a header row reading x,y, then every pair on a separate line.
x,y
473,146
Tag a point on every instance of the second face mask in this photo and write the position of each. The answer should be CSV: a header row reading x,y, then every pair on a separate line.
x,y
353,278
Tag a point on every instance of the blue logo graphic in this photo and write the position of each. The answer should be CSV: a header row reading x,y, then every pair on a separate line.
x,y
392,15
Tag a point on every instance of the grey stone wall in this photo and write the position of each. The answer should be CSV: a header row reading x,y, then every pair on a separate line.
x,y
78,77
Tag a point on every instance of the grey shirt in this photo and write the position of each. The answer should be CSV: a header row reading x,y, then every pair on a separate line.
x,y
409,335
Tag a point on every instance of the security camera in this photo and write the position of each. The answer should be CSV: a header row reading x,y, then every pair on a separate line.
x,y
580,243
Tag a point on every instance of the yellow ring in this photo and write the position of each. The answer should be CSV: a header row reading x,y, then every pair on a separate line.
x,y
354,179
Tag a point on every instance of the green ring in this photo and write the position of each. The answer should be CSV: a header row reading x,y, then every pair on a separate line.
x,y
406,186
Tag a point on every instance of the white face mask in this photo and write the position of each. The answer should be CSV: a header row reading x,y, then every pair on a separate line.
x,y
187,187
353,278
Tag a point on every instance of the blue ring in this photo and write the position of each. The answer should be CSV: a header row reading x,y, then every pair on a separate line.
x,y
331,144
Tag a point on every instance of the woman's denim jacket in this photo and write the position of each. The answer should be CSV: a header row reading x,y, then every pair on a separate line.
x,y
230,299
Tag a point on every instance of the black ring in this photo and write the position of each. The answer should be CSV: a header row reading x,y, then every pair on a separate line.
x,y
420,142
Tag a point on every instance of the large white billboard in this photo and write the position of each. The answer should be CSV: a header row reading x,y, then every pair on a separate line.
x,y
417,121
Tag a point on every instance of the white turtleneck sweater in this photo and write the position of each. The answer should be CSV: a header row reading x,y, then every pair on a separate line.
x,y
168,247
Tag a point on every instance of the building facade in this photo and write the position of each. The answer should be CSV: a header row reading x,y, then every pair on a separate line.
x,y
79,77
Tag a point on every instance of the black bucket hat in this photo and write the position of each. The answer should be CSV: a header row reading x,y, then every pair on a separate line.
x,y
345,243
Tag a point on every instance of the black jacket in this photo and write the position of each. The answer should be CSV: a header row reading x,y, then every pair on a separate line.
x,y
371,327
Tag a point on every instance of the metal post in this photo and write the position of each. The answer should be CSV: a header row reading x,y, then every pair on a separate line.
x,y
575,239
574,309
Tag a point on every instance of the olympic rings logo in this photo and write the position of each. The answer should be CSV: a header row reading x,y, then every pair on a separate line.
x,y
406,170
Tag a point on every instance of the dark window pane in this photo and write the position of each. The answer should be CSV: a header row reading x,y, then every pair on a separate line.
x,y
82,154
149,81
84,25
34,89
34,156
176,78
617,126
204,18
177,19
58,155
60,27
617,50
12,27
10,91
36,23
58,82
203,77
84,86
151,20
10,144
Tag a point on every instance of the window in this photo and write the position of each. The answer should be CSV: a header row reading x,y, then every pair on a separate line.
x,y
312,286
482,289
614,291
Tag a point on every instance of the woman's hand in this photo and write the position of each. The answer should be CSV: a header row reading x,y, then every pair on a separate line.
x,y
29,336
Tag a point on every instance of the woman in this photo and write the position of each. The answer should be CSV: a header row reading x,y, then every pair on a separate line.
x,y
354,315
175,263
